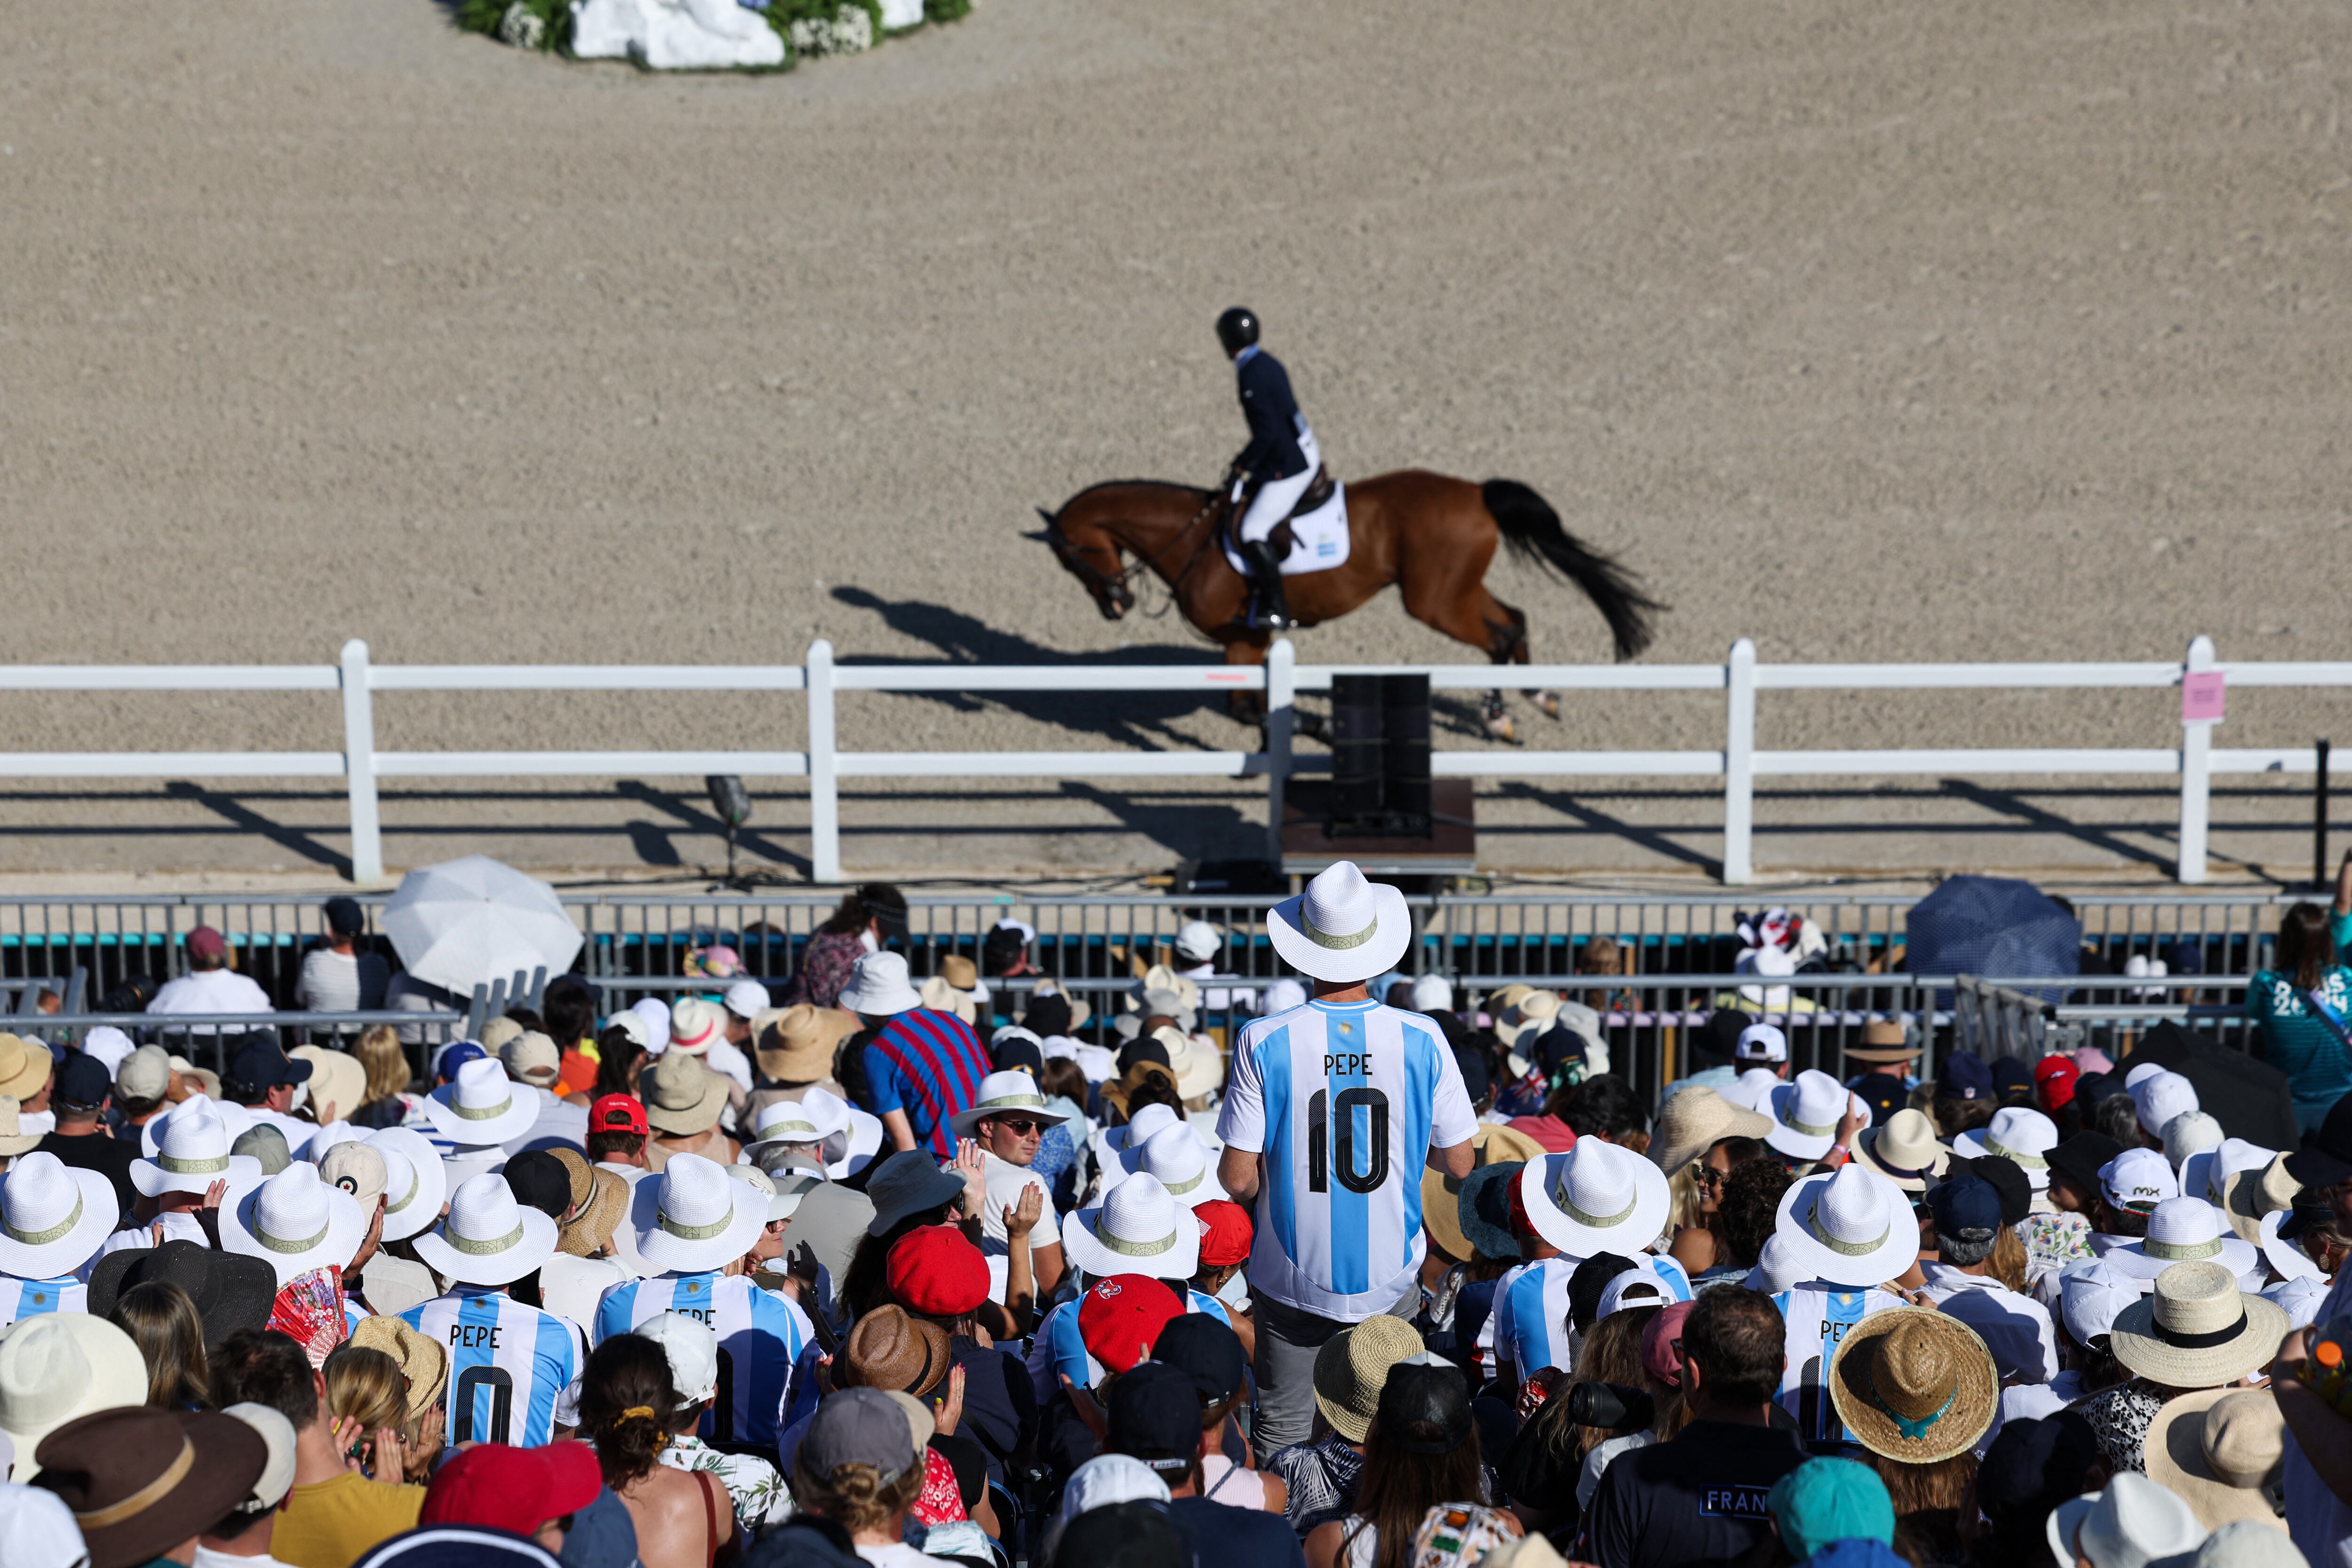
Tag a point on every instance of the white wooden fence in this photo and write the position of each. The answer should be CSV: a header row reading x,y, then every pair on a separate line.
x,y
2195,760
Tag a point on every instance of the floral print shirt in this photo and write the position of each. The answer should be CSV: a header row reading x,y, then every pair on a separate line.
x,y
760,1495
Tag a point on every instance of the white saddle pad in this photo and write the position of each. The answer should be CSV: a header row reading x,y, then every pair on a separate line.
x,y
1318,540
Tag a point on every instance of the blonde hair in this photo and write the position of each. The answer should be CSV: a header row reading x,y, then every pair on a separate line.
x,y
854,1497
387,1065
1682,1198
2007,1263
162,1320
367,1385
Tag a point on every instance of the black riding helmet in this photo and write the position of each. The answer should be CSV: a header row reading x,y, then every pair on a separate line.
x,y
1237,329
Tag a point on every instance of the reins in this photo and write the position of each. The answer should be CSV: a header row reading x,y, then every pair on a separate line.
x,y
1124,579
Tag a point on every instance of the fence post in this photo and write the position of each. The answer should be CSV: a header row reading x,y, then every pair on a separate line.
x,y
2196,773
825,798
1281,692
358,764
1739,767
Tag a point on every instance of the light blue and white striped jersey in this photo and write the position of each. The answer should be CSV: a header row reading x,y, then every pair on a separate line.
x,y
1345,1101
1531,1311
760,1339
508,1363
1059,1350
1814,1321
33,1298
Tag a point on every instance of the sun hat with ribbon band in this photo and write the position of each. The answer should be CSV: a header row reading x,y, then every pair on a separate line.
x,y
1005,1094
695,1026
1147,1121
13,1140
412,1204
2252,1192
2182,1230
1341,928
1597,1198
796,1124
2206,1173
2199,1329
140,1482
890,1349
2016,1133
483,1105
193,1155
1905,1151
1176,1156
1753,1091
2219,1449
1914,1384
1138,1228
488,1238
294,1222
1805,1113
228,1113
691,1219
56,1366
53,1217
1851,1227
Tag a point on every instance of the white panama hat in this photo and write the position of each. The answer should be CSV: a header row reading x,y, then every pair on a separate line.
x,y
878,987
2181,1230
2135,1524
409,1210
294,1222
1178,1160
488,1238
691,1219
1597,1198
2287,1257
483,1105
53,1217
1138,1228
58,1365
1147,1121
1805,1113
1752,1089
1851,1227
1005,1093
817,1121
227,1112
1342,928
2016,1132
2206,1173
315,1147
695,1026
195,1154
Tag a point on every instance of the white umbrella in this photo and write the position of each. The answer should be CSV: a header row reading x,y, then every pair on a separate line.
x,y
476,922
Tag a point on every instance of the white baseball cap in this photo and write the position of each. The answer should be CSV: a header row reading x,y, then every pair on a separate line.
x,y
1761,1043
2137,1180
693,1352
2092,1296
747,999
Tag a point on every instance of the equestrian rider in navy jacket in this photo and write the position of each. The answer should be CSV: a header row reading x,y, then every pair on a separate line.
x,y
1281,460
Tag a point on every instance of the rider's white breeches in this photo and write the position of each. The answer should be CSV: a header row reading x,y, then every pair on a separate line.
x,y
1276,496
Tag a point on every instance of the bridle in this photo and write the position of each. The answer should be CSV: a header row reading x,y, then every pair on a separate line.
x,y
1116,587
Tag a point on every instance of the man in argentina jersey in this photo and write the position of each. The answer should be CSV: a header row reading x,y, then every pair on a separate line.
x,y
1595,1198
54,1219
691,1222
1846,1234
1531,1319
508,1363
1332,1111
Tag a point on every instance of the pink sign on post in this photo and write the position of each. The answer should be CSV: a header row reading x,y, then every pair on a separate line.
x,y
2201,696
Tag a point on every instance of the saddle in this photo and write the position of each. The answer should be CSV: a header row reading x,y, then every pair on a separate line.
x,y
1318,492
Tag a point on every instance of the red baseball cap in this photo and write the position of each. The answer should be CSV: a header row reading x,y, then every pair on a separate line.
x,y
1120,1317
617,1113
1226,1232
936,1271
517,1490
206,943
2053,1082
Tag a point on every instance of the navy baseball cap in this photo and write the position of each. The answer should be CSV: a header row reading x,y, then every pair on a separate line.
x,y
83,1081
455,1054
1207,1351
2012,1082
262,1065
1155,1416
1964,1076
1968,1203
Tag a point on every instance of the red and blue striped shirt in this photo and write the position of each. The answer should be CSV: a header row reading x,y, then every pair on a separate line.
x,y
929,1065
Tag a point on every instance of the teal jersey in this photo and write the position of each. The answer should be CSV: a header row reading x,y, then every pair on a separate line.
x,y
2297,1041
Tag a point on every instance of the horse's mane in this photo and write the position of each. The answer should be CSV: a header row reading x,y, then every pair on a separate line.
x,y
1116,484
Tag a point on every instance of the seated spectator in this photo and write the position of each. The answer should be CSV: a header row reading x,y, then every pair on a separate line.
x,y
2015,1327
2031,1468
1138,1534
162,1320
386,1102
144,1485
1750,1206
82,1092
1155,1416
858,1465
1918,1390
1210,1355
535,1493
245,1535
211,985
1422,1476
142,1091
752,1484
628,1409
338,976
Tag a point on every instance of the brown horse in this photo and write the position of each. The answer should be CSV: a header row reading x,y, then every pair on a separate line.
x,y
1431,535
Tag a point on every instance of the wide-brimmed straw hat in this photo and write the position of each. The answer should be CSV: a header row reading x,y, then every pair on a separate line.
x,y
591,1227
1883,1043
60,1366
487,1238
890,1350
422,1359
1342,928
1905,1151
1198,1067
878,987
336,1080
141,1482
1805,1113
682,1096
294,1222
53,1217
2219,1448
1693,1120
24,1066
798,1045
193,1155
1178,1160
1004,1094
1524,1016
483,1105
691,1219
1353,1366
2198,1331
1139,1227
2181,1230
1850,1227
14,1139
413,1203
1914,1384
2249,1194
2018,1134
1597,1198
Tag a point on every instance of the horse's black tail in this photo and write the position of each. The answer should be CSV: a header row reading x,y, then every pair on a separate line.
x,y
1532,530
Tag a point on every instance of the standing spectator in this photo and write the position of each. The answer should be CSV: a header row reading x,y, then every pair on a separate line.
x,y
1332,1111
1917,1389
2015,1327
627,1408
923,1066
212,984
486,1244
1706,1493
863,923
1622,1200
82,1094
338,977
1845,1235
1350,1370
2302,1007
1421,1467
529,1492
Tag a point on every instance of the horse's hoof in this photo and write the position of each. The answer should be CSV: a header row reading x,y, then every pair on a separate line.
x,y
1503,729
1549,702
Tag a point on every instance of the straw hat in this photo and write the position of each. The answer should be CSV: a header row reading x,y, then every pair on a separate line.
x,y
2181,1230
416,1181
336,1080
24,1066
195,1154
2135,1524
1003,1094
1353,1366
682,1096
890,1350
1597,1198
1198,1067
1524,1017
53,1217
1905,1151
1883,1043
1914,1384
591,1227
2016,1133
1805,1113
2221,1449
695,1025
1850,1227
1693,1120
422,1360
60,1366
1178,1160
691,1219
1342,928
294,1222
2198,1330
13,1141
1139,1227
1445,1201
2249,1194
487,1239
798,1045
482,1107
942,996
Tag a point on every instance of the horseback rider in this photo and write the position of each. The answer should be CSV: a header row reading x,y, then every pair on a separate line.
x,y
1281,460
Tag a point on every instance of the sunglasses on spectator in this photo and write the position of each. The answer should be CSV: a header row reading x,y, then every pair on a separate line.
x,y
1705,1175
1020,1126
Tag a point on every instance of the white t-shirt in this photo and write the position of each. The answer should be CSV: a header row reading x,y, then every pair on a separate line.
x,y
1345,1099
211,990
329,982
1005,1182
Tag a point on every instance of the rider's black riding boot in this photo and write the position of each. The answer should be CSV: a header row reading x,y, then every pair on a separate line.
x,y
1269,608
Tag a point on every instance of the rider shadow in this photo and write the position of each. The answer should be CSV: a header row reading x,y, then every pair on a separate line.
x,y
1136,718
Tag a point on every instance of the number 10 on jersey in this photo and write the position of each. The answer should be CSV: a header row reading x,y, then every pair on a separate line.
x,y
1331,1139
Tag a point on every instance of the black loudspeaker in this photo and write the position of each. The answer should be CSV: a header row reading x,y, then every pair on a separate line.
x,y
1404,754
1356,749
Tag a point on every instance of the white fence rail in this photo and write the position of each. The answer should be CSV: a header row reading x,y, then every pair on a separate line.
x,y
1739,763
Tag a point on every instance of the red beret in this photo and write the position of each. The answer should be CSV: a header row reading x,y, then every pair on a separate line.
x,y
936,1271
